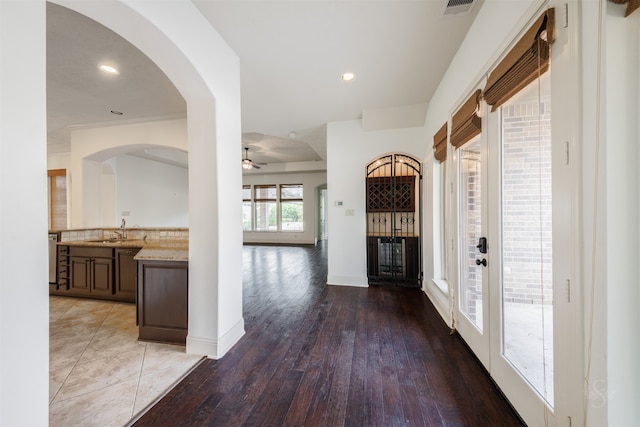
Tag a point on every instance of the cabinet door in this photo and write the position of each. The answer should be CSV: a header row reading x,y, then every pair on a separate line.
x,y
126,274
79,269
102,276
163,301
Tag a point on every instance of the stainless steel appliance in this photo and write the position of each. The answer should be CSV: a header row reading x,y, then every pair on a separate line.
x,y
53,250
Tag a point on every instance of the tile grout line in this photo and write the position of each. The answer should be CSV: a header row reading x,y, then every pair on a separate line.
x,y
135,396
81,354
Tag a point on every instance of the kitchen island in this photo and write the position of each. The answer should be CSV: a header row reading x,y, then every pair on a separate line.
x,y
163,293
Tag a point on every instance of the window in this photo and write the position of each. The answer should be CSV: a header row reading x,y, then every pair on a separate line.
x,y
247,223
266,202
272,207
291,207
443,228
440,238
440,208
57,199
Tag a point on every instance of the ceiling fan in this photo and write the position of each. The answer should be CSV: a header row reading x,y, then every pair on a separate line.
x,y
247,163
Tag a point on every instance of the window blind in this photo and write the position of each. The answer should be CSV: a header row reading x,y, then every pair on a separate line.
x,y
466,123
440,144
524,62
632,5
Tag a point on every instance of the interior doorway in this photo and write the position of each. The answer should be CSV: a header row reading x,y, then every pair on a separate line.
x,y
394,184
323,214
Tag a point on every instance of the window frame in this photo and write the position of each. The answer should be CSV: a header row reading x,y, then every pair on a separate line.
x,y
275,195
250,203
285,200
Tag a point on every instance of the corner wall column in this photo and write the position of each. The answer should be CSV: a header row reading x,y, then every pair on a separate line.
x,y
24,298
215,233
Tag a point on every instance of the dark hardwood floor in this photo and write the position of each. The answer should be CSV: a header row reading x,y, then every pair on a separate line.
x,y
319,355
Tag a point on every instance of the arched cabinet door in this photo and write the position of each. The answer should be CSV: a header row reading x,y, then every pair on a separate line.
x,y
393,189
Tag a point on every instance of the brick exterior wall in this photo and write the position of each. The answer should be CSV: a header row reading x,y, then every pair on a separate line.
x,y
471,222
526,203
526,211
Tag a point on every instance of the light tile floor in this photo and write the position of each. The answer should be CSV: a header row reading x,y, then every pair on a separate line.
x,y
99,373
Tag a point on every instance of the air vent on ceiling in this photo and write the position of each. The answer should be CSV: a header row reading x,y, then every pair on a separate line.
x,y
458,7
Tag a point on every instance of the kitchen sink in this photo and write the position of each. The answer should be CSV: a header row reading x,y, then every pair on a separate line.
x,y
109,241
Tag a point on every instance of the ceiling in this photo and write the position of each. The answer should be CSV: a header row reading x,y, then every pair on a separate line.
x,y
292,55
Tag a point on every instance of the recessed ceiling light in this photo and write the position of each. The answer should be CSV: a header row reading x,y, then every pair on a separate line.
x,y
348,77
108,69
116,112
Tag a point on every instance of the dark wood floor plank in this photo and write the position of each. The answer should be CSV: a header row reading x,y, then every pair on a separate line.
x,y
355,413
319,355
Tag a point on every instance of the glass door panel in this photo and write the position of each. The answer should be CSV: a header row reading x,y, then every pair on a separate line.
x,y
526,231
470,179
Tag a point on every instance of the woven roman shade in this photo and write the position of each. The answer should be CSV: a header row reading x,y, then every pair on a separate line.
x,y
632,5
440,144
466,123
524,62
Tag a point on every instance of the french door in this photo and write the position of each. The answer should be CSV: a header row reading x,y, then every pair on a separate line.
x,y
522,348
504,300
514,303
472,308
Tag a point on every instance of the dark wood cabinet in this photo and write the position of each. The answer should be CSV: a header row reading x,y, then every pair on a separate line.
x,y
126,274
96,272
101,276
163,297
79,275
91,271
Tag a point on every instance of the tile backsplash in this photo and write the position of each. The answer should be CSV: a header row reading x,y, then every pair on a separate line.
x,y
134,233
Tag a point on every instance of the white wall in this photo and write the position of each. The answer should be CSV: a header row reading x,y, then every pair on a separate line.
x,y
310,182
605,127
154,194
495,26
349,150
623,293
92,146
59,161
24,295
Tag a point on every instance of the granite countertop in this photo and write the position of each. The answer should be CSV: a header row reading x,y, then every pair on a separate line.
x,y
159,250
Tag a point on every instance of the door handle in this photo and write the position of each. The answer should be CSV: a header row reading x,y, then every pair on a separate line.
x,y
482,245
483,262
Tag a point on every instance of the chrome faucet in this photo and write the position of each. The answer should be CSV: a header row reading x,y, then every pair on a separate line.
x,y
123,227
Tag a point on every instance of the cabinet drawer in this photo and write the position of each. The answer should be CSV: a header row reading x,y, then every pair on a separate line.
x,y
91,252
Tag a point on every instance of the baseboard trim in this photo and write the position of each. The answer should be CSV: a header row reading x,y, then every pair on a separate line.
x,y
216,348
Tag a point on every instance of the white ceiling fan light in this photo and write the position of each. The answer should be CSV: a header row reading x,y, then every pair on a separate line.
x,y
247,163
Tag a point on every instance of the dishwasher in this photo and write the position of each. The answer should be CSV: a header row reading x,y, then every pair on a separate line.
x,y
53,251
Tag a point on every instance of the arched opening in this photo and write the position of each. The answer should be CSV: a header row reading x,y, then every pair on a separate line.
x,y
145,184
211,92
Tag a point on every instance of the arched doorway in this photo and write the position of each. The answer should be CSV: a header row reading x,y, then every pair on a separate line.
x,y
393,184
183,50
